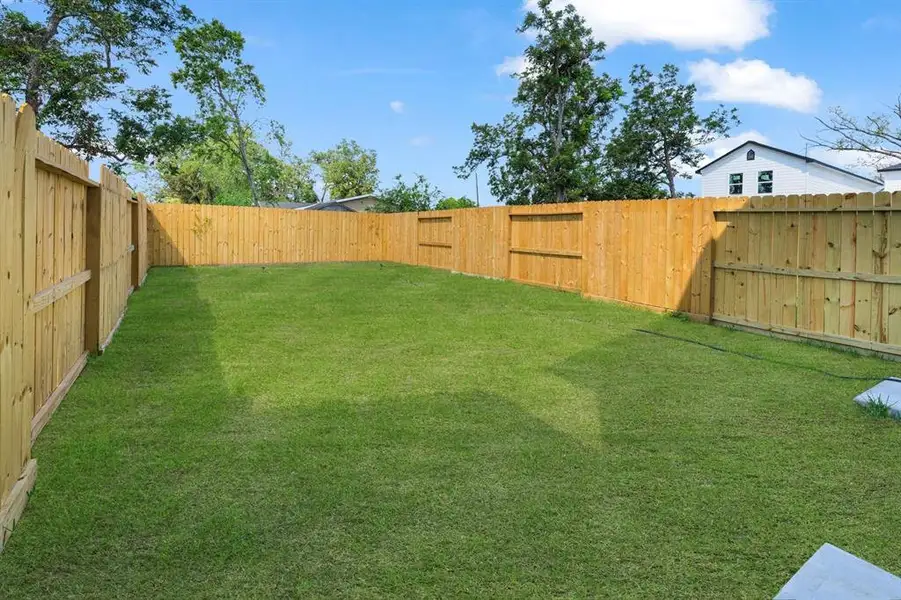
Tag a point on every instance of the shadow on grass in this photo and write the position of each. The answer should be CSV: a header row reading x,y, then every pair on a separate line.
x,y
128,464
744,467
211,454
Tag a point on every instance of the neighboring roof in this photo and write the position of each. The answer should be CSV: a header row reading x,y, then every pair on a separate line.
x,y
786,152
896,167
331,206
360,197
337,204
292,205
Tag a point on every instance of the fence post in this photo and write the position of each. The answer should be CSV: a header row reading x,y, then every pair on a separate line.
x,y
141,243
135,208
24,194
93,220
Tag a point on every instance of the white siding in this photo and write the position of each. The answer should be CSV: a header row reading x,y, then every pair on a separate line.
x,y
790,175
892,181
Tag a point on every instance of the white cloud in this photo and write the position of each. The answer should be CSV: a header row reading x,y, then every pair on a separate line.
x,y
755,81
512,65
686,24
397,106
421,141
882,24
719,147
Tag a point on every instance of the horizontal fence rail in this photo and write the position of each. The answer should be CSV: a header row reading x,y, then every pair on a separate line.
x,y
61,288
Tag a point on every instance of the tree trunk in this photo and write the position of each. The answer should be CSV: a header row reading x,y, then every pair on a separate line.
x,y
33,78
248,172
670,172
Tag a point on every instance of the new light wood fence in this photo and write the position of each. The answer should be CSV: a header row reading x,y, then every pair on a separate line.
x,y
67,246
653,253
821,267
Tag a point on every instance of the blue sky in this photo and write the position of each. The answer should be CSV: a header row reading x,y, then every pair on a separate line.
x,y
332,69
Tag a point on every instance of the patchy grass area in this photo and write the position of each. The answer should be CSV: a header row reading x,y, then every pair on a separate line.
x,y
377,431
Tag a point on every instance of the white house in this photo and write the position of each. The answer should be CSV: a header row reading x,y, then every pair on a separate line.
x,y
754,169
892,177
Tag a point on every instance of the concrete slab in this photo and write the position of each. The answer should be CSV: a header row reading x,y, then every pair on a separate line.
x,y
833,574
887,391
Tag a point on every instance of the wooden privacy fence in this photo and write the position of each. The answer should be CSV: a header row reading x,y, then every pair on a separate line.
x,y
69,247
821,267
656,254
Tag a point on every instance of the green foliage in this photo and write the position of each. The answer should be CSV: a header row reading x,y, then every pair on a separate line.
x,y
661,133
451,203
346,170
878,408
421,195
550,150
209,173
626,187
72,66
214,71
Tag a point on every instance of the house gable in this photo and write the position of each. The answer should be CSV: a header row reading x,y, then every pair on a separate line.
x,y
791,174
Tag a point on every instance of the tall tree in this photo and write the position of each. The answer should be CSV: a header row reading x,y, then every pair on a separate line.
x,y
661,134
346,170
72,66
214,71
876,136
403,197
550,150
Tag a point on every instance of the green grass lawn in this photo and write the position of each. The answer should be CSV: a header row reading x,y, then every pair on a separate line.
x,y
378,430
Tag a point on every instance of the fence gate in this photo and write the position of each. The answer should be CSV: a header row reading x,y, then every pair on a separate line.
x,y
820,267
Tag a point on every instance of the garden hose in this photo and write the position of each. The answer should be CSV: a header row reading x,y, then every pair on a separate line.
x,y
758,357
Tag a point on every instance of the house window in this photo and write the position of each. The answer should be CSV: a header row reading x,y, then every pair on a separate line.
x,y
750,155
735,184
764,182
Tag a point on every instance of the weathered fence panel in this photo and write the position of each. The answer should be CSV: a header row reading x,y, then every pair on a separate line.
x,y
46,275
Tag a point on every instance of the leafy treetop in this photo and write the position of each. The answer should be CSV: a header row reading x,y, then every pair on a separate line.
x,y
402,197
72,64
550,150
661,134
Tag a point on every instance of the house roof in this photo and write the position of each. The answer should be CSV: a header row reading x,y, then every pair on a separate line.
x,y
337,205
360,197
792,154
896,167
292,205
331,206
